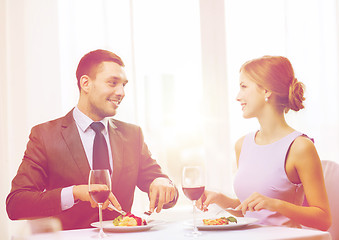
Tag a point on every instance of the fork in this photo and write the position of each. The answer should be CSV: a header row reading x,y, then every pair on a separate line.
x,y
111,206
148,214
230,210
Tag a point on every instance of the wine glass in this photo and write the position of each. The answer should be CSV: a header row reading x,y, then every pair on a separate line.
x,y
193,186
99,187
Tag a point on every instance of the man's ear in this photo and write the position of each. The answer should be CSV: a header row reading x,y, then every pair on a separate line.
x,y
85,83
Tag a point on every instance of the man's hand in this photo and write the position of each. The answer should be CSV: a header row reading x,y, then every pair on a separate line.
x,y
161,191
80,192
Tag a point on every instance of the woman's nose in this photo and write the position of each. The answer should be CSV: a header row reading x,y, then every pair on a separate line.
x,y
237,98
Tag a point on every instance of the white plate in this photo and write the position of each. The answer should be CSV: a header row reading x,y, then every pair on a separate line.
x,y
109,226
242,222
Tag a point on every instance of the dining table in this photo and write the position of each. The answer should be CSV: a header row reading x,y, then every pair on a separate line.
x,y
178,230
177,225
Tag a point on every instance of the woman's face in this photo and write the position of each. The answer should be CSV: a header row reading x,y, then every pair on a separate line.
x,y
251,97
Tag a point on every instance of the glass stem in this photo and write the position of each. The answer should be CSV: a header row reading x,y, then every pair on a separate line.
x,y
101,233
195,229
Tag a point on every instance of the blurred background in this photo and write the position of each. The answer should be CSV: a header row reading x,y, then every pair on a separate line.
x,y
182,59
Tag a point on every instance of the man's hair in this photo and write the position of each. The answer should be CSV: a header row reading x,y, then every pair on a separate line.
x,y
90,62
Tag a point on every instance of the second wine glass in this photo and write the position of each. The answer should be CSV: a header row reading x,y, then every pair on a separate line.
x,y
99,187
193,186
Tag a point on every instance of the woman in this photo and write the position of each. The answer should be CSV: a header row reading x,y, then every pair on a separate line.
x,y
277,165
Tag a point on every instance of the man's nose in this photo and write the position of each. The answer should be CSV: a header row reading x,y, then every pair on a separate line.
x,y
120,90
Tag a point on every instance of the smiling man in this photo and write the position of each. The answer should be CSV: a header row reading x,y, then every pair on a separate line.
x,y
52,178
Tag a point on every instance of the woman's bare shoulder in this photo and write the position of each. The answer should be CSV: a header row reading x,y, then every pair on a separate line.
x,y
302,145
238,144
303,151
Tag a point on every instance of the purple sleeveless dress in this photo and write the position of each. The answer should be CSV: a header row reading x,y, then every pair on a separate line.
x,y
262,169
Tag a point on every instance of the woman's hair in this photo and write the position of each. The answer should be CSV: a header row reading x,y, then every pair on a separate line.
x,y
89,63
275,73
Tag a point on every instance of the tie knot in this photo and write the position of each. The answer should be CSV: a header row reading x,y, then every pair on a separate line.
x,y
97,126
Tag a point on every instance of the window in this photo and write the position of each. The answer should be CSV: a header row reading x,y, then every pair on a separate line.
x,y
164,48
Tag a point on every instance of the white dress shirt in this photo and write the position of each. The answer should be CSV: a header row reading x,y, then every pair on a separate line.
x,y
87,135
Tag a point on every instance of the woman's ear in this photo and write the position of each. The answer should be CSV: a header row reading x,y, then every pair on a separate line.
x,y
267,93
85,83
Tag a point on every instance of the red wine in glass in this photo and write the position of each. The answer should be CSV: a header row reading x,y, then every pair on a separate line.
x,y
193,193
193,186
99,188
99,196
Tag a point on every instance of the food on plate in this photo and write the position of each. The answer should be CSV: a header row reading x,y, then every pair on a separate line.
x,y
220,221
129,220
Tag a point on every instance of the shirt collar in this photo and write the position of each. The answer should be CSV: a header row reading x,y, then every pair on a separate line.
x,y
84,122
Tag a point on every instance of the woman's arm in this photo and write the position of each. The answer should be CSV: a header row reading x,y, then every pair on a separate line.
x,y
238,146
307,167
302,166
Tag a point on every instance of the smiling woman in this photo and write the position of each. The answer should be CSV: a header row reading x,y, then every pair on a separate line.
x,y
277,166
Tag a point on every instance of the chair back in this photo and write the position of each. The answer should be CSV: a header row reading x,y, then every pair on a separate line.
x,y
331,176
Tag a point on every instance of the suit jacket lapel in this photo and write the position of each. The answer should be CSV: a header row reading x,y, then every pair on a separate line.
x,y
117,150
71,136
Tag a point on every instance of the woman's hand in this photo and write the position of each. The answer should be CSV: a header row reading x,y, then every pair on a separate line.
x,y
257,202
207,198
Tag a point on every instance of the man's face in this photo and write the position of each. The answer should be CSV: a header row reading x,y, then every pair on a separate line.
x,y
106,91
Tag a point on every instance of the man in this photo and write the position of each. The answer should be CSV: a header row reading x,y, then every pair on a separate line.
x,y
52,178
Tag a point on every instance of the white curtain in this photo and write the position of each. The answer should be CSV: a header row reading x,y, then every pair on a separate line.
x,y
30,82
182,58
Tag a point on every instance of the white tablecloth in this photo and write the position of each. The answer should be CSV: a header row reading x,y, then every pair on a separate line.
x,y
176,227
177,231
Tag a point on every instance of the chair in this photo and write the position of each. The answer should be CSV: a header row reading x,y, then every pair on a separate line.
x,y
45,225
331,176
23,229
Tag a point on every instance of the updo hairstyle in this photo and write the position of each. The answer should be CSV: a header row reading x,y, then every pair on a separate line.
x,y
275,73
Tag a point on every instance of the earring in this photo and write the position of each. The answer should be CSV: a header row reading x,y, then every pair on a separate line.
x,y
266,99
